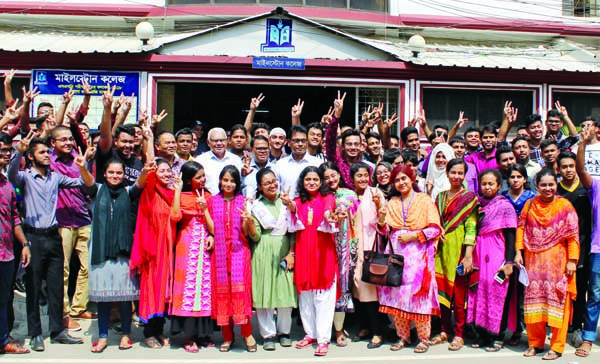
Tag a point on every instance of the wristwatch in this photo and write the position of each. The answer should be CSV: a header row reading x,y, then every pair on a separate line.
x,y
26,244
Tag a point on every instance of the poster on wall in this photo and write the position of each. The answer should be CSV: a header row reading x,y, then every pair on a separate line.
x,y
52,84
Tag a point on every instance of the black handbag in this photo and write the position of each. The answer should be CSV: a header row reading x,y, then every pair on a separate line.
x,y
382,269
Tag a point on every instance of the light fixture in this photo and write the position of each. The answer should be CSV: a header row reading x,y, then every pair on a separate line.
x,y
144,31
416,44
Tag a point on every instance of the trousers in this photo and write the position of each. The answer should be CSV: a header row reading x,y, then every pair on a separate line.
x,y
316,311
47,261
270,326
76,240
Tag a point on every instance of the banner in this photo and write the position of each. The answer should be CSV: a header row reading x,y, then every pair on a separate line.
x,y
54,83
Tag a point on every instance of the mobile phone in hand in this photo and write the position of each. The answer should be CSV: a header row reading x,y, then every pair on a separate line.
x,y
460,270
500,277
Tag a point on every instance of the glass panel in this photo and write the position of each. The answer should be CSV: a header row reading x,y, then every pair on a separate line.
x,y
373,96
328,3
184,2
481,107
15,86
578,104
376,5
282,2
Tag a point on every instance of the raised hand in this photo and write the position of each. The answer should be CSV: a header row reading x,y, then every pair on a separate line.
x,y
461,120
246,216
421,119
24,142
390,121
376,197
177,182
201,201
90,152
285,197
331,216
126,106
157,118
367,114
28,96
326,119
12,112
587,136
510,113
149,166
8,76
297,109
80,160
246,169
49,123
68,96
338,104
107,96
119,101
381,213
86,88
255,102
561,109
412,122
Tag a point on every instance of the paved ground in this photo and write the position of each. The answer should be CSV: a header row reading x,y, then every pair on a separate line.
x,y
354,353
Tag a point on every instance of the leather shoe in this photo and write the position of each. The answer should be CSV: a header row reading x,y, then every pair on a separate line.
x,y
37,343
64,338
85,315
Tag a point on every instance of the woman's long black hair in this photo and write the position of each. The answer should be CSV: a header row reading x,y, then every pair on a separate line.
x,y
302,192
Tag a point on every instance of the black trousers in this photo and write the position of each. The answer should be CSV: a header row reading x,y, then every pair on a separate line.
x,y
10,312
47,260
154,327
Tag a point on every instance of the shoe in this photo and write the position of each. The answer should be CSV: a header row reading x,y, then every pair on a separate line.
x,y
374,345
64,338
14,347
85,315
71,325
37,343
269,344
285,341
577,338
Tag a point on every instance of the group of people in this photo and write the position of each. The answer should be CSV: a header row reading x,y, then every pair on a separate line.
x,y
207,232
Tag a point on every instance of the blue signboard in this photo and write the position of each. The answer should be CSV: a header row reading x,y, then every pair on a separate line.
x,y
52,84
279,36
278,63
57,82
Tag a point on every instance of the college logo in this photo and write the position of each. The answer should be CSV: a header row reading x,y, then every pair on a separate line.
x,y
41,78
279,36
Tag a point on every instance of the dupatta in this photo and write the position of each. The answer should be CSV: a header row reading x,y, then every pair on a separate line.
x,y
547,224
457,209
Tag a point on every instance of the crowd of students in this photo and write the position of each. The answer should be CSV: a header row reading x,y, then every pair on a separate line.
x,y
500,236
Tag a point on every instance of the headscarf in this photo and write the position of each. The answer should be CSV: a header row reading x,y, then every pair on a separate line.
x,y
435,175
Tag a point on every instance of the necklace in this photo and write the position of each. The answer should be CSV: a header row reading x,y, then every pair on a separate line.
x,y
405,211
451,194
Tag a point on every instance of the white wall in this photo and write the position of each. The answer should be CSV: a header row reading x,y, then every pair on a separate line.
x,y
496,9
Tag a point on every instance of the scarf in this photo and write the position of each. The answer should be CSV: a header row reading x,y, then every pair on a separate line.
x,y
422,213
438,175
457,209
547,224
111,222
495,214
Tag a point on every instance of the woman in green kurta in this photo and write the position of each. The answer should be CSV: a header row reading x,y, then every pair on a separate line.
x,y
272,283
458,209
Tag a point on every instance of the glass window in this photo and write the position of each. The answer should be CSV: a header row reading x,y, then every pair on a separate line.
x,y
281,2
481,107
578,104
375,5
373,96
15,86
328,3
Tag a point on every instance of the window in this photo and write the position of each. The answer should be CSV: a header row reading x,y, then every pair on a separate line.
x,y
15,86
578,104
369,5
373,96
481,106
581,8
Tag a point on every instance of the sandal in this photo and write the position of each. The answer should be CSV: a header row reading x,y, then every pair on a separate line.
x,y
399,345
13,347
585,349
322,349
190,347
99,346
439,339
456,344
125,343
207,342
152,343
533,351
164,341
495,347
551,355
481,343
340,339
307,341
422,347
225,347
514,340
251,348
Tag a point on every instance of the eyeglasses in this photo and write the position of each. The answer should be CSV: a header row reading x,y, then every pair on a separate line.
x,y
350,145
552,121
218,140
64,140
299,141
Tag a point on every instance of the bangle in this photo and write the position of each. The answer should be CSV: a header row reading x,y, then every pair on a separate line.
x,y
26,244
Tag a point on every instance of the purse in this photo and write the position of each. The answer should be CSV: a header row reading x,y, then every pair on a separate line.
x,y
382,269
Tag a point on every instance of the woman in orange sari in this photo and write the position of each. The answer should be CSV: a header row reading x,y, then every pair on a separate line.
x,y
548,233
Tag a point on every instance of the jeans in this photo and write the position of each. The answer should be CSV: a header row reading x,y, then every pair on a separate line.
x,y
6,278
592,306
104,309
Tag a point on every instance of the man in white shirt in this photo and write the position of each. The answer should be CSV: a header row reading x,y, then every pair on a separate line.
x,y
288,169
216,158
